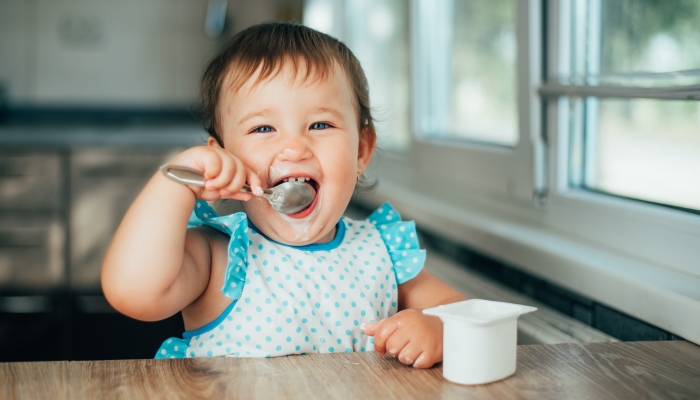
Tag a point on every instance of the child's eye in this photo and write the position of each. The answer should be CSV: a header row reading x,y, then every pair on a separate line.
x,y
262,129
319,125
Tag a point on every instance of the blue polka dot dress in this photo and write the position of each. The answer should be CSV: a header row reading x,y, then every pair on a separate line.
x,y
307,299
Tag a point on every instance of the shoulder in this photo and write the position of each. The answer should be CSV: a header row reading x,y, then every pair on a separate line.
x,y
235,251
220,233
401,240
396,233
204,215
221,242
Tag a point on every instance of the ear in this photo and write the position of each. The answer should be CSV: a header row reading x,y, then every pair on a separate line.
x,y
211,141
365,149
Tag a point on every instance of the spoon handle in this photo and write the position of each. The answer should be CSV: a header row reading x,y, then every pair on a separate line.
x,y
192,177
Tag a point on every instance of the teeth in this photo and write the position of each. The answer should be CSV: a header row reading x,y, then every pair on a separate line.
x,y
300,179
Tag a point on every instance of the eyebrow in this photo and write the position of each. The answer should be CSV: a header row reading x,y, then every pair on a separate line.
x,y
267,111
333,111
261,113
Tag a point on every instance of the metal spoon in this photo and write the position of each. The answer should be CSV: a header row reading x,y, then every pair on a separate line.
x,y
287,197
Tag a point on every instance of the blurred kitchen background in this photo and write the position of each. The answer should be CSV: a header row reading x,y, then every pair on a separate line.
x,y
95,95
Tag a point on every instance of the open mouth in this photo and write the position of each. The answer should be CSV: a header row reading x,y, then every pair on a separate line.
x,y
311,181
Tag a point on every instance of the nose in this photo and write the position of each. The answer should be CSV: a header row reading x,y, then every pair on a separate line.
x,y
294,149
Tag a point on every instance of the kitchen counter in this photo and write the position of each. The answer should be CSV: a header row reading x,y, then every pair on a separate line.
x,y
102,135
633,370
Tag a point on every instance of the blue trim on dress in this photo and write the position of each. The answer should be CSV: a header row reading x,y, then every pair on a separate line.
x,y
213,324
333,244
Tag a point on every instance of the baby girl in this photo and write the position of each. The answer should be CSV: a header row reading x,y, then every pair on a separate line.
x,y
281,102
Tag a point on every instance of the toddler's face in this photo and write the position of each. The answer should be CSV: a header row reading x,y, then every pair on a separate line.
x,y
292,127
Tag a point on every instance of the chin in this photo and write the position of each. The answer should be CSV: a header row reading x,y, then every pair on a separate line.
x,y
303,227
300,229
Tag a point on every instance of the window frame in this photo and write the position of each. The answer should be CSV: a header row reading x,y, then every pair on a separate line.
x,y
514,172
628,226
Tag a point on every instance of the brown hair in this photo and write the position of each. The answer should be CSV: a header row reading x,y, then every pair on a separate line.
x,y
273,45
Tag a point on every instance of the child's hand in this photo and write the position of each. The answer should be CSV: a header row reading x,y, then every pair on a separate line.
x,y
225,173
411,336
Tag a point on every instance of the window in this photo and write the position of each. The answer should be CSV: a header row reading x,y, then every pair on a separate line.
x,y
643,149
466,62
623,129
377,33
631,74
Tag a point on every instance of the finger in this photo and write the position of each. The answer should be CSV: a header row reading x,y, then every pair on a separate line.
x,y
242,196
396,343
368,328
238,178
423,361
226,174
409,353
383,332
211,164
255,183
209,195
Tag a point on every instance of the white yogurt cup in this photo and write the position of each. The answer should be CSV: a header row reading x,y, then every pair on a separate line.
x,y
480,338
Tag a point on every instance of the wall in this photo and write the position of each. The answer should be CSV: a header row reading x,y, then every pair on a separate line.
x,y
115,53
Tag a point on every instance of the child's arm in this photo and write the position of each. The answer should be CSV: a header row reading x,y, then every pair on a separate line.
x,y
155,266
411,336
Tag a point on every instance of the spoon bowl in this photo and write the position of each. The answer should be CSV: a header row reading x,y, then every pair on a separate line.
x,y
286,198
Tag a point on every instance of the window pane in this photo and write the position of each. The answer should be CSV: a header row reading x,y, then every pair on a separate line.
x,y
324,16
649,35
467,70
640,148
644,149
377,33
635,42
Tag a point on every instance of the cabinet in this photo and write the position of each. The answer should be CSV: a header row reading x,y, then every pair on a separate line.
x,y
32,220
59,208
104,183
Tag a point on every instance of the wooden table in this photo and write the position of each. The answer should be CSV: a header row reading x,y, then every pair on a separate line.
x,y
633,370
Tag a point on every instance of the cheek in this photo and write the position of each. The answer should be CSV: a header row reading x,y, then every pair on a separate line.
x,y
340,164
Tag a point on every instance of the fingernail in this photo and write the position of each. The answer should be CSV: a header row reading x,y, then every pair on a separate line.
x,y
392,351
225,193
409,361
362,326
257,190
420,358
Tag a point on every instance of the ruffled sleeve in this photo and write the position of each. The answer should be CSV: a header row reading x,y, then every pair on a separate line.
x,y
401,241
236,226
172,348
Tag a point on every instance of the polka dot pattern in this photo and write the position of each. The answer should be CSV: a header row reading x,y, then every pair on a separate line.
x,y
173,348
289,300
401,241
236,226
